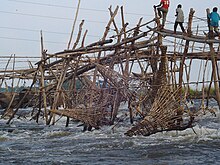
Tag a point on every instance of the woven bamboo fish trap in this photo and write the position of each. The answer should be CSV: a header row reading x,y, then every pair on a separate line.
x,y
93,116
165,114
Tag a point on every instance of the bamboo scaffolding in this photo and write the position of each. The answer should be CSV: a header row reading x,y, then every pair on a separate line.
x,y
89,82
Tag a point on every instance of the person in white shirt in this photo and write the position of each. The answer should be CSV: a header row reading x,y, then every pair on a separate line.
x,y
179,18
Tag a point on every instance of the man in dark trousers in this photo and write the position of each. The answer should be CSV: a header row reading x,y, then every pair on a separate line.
x,y
162,9
179,18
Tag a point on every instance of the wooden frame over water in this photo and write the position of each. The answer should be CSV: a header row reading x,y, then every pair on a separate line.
x,y
88,83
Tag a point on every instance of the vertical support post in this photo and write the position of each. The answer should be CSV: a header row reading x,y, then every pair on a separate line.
x,y
208,20
6,67
189,31
214,68
162,68
42,85
125,36
13,79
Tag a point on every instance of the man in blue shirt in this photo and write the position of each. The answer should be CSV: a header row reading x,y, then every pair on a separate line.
x,y
214,20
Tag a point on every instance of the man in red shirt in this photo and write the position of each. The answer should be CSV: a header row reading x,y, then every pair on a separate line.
x,y
163,7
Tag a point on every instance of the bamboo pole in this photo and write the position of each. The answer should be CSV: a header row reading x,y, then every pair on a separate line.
x,y
6,111
58,90
190,64
198,39
22,99
203,88
6,67
83,40
189,31
214,68
208,92
79,34
104,38
74,23
126,71
13,68
42,80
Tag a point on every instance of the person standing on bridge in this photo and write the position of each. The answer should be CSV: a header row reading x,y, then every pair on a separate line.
x,y
179,19
162,9
214,21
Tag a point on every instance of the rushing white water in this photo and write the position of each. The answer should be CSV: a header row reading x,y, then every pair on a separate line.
x,y
26,142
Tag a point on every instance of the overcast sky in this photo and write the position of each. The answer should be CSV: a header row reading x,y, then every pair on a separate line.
x,y
22,20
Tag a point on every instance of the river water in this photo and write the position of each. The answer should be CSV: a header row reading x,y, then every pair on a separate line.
x,y
26,142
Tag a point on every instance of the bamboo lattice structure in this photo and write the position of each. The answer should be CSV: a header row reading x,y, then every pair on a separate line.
x,y
88,83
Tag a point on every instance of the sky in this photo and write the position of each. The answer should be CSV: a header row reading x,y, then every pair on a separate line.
x,y
22,21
